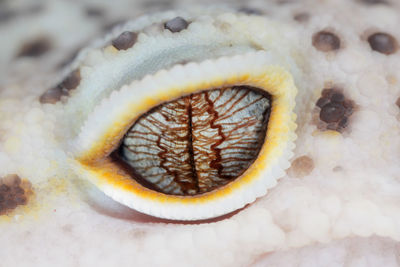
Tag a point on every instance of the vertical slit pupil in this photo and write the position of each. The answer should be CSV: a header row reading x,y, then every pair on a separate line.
x,y
197,143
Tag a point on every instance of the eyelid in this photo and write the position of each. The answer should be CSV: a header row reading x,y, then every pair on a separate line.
x,y
107,69
210,35
112,118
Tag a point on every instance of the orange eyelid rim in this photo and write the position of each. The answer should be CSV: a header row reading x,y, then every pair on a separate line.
x,y
273,79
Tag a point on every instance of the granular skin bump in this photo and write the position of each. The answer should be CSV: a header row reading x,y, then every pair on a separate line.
x,y
383,43
125,40
176,24
13,192
325,41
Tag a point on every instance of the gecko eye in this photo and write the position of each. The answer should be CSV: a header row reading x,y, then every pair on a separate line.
x,y
194,142
199,142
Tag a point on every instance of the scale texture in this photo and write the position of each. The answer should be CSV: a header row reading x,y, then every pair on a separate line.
x,y
337,205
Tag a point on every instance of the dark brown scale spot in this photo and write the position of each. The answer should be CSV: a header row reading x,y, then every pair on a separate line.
x,y
18,190
301,17
157,4
337,97
52,95
20,200
125,40
322,102
301,167
374,2
327,92
398,102
13,192
94,12
331,112
383,43
343,122
4,188
10,203
349,107
284,2
250,11
334,110
6,15
72,81
197,143
35,48
325,41
337,169
176,24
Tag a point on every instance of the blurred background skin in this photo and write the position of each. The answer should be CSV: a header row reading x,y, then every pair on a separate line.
x,y
50,33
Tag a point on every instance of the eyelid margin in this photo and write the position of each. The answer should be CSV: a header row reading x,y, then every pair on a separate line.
x,y
97,140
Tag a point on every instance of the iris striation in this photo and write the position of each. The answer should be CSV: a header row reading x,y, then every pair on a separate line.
x,y
199,142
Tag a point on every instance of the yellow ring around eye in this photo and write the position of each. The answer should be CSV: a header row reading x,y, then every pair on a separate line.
x,y
254,70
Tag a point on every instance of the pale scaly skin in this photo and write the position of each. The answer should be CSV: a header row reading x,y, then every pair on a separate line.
x,y
343,212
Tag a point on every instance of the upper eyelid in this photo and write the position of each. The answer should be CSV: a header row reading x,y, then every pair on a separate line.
x,y
105,69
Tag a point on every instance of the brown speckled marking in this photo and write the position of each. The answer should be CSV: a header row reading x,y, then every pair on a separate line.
x,y
398,102
383,43
301,167
337,169
374,2
6,15
72,80
13,192
334,110
284,2
301,17
325,41
35,48
53,95
176,24
94,12
250,11
125,40
68,228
